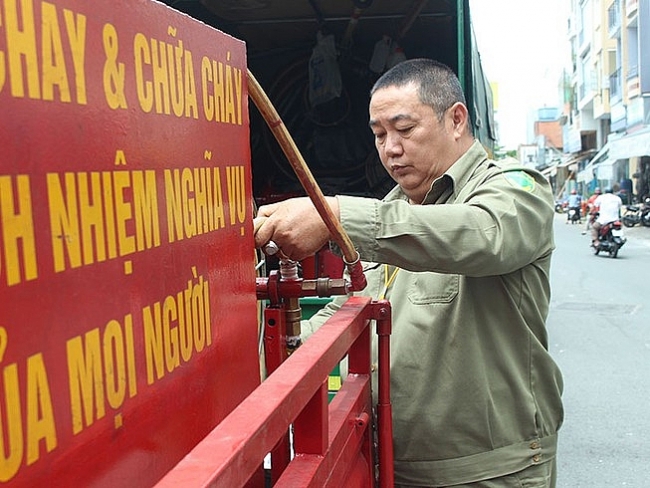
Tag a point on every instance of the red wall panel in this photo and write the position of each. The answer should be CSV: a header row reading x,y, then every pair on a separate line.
x,y
128,323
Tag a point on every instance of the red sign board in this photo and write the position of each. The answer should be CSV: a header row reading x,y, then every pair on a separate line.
x,y
128,325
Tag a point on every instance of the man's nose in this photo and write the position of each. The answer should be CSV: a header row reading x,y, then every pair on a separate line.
x,y
393,145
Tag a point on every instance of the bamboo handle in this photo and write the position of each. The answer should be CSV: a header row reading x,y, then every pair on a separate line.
x,y
291,151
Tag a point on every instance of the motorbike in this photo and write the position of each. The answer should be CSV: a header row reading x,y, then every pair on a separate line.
x,y
632,215
610,239
637,214
645,213
574,215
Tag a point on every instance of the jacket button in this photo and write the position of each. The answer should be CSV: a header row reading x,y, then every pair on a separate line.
x,y
534,445
537,458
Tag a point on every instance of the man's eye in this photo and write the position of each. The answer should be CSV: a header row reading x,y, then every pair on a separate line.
x,y
405,130
380,137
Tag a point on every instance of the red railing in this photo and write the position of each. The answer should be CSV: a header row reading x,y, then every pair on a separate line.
x,y
333,443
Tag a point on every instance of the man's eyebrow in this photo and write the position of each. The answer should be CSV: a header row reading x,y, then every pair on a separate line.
x,y
392,120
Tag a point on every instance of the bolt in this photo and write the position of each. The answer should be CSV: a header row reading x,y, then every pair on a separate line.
x,y
271,248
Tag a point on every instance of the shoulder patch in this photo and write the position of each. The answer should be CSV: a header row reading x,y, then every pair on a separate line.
x,y
520,179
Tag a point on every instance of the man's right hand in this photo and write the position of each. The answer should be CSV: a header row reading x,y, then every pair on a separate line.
x,y
294,225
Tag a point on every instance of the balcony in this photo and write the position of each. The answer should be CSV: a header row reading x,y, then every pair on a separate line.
x,y
583,43
614,19
586,94
632,9
615,91
633,82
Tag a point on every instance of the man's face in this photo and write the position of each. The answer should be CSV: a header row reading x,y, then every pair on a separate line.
x,y
413,145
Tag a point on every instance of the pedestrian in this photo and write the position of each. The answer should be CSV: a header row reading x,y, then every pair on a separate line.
x,y
462,249
609,210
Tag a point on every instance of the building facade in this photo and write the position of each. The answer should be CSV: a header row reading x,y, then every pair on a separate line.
x,y
607,115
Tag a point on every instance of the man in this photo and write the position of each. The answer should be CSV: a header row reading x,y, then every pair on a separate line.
x,y
592,210
574,204
609,209
462,249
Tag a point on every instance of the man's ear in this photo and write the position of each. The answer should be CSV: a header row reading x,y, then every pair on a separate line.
x,y
459,116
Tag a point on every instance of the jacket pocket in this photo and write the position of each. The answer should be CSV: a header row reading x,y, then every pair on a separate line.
x,y
427,288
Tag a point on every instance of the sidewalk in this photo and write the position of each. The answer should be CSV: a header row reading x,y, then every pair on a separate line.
x,y
638,233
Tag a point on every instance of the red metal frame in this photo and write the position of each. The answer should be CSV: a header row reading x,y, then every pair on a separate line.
x,y
333,442
128,325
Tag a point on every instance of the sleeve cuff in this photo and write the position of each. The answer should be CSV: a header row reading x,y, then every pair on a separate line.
x,y
359,219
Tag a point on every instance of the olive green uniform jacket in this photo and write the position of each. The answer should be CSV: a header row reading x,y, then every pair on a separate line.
x,y
475,393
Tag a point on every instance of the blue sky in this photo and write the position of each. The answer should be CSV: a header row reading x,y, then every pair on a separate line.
x,y
524,46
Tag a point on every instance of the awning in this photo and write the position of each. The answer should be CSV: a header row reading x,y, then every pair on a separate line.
x,y
605,170
587,174
574,159
631,145
550,171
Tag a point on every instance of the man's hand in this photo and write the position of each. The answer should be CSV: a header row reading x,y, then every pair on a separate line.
x,y
294,225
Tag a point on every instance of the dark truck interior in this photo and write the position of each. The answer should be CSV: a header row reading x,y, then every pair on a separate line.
x,y
317,59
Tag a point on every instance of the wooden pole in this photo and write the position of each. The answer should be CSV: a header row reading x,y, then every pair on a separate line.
x,y
308,182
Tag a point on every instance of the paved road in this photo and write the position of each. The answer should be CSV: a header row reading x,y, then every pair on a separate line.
x,y
599,329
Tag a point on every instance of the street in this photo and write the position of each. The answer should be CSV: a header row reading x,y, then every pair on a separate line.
x,y
599,333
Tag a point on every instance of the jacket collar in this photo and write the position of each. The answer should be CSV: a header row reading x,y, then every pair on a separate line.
x,y
451,181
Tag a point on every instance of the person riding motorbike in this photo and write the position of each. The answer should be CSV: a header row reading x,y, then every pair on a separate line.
x,y
609,210
592,210
575,202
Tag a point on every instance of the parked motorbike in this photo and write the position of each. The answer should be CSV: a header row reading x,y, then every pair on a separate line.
x,y
637,214
645,213
610,239
632,215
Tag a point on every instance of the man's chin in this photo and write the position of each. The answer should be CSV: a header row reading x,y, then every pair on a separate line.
x,y
406,184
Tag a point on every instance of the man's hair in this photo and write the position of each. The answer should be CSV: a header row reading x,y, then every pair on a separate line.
x,y
438,85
